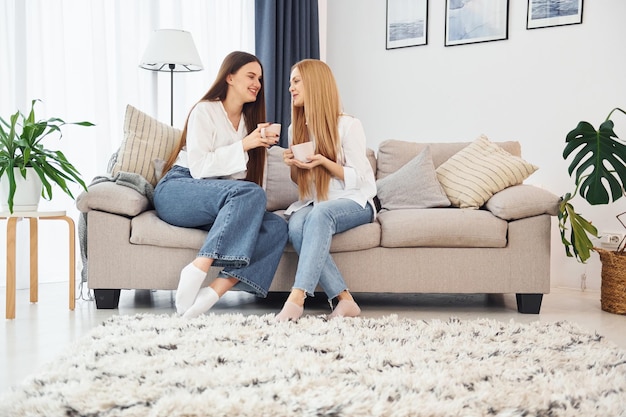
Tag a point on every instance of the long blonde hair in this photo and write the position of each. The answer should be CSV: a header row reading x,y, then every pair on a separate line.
x,y
254,113
319,117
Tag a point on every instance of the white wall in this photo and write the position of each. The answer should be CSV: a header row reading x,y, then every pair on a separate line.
x,y
533,87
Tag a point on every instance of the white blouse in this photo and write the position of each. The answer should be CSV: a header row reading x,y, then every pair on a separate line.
x,y
214,148
359,182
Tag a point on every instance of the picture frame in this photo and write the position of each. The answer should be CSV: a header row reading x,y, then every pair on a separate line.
x,y
407,23
471,21
550,13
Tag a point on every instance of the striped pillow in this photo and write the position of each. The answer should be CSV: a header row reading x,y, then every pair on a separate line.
x,y
146,140
478,171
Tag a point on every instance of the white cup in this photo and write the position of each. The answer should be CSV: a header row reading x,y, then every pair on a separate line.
x,y
302,151
273,128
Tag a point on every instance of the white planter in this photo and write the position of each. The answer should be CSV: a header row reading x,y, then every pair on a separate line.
x,y
27,191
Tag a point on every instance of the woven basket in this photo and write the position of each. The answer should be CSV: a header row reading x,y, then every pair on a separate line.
x,y
613,289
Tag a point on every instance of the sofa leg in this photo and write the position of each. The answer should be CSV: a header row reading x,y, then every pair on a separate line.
x,y
106,298
529,303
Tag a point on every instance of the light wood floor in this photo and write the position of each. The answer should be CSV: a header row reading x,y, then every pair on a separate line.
x,y
41,331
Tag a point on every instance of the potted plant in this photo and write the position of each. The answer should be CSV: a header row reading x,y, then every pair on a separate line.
x,y
599,169
22,150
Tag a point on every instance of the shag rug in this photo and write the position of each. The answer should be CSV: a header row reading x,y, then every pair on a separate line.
x,y
236,365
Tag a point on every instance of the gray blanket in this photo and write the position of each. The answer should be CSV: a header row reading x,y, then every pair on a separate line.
x,y
127,179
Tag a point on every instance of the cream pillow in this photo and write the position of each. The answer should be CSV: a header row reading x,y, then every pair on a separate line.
x,y
145,140
478,171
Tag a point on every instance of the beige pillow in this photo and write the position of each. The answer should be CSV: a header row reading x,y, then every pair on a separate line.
x,y
472,175
521,201
145,140
112,198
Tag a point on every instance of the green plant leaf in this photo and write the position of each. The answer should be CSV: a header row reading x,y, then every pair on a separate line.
x,y
579,244
598,163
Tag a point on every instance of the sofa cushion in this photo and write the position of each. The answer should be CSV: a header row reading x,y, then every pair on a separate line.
x,y
415,185
520,201
148,229
362,237
393,154
112,198
442,227
280,190
145,140
475,173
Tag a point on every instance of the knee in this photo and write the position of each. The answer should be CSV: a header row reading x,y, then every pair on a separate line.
x,y
295,232
280,225
320,215
252,191
276,223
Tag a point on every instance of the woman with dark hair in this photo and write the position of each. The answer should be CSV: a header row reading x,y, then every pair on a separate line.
x,y
336,186
212,181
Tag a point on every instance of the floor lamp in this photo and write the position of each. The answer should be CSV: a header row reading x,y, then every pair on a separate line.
x,y
171,50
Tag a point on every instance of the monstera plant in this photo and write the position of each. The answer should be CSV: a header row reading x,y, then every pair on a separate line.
x,y
599,168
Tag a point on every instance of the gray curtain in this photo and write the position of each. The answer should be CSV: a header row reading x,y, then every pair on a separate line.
x,y
286,31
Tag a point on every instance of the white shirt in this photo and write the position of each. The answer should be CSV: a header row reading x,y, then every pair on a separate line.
x,y
359,183
214,148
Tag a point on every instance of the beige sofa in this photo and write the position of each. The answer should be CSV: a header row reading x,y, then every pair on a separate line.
x,y
503,247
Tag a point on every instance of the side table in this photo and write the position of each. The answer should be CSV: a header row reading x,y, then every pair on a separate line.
x,y
34,217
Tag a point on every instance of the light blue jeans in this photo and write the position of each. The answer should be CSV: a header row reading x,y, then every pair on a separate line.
x,y
243,238
311,230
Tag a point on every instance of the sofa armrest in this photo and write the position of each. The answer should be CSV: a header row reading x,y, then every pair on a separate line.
x,y
112,198
521,201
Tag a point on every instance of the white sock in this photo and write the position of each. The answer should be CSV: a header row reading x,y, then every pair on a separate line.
x,y
191,278
207,297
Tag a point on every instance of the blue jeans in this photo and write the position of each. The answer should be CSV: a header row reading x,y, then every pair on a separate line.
x,y
243,238
311,230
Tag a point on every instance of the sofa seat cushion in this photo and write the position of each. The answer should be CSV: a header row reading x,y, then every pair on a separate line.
x,y
148,229
442,227
363,237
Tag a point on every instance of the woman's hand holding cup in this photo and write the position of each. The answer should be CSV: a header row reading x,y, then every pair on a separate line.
x,y
265,135
272,130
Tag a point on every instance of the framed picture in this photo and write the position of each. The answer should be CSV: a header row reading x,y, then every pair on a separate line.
x,y
473,21
547,13
407,23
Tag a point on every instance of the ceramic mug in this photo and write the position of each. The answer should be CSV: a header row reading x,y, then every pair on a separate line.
x,y
302,151
273,128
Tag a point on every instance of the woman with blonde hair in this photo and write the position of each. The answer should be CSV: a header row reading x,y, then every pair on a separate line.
x,y
213,182
336,186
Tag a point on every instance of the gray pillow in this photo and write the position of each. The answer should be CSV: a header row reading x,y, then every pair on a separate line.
x,y
279,188
414,185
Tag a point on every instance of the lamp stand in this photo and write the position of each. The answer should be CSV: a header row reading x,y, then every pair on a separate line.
x,y
172,66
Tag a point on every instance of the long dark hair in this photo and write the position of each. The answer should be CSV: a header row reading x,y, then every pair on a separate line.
x,y
254,113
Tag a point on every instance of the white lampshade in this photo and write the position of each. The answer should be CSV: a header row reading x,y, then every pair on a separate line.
x,y
171,47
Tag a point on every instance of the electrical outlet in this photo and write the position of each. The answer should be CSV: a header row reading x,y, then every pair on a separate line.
x,y
611,239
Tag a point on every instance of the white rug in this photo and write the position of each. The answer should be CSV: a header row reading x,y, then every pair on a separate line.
x,y
235,365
